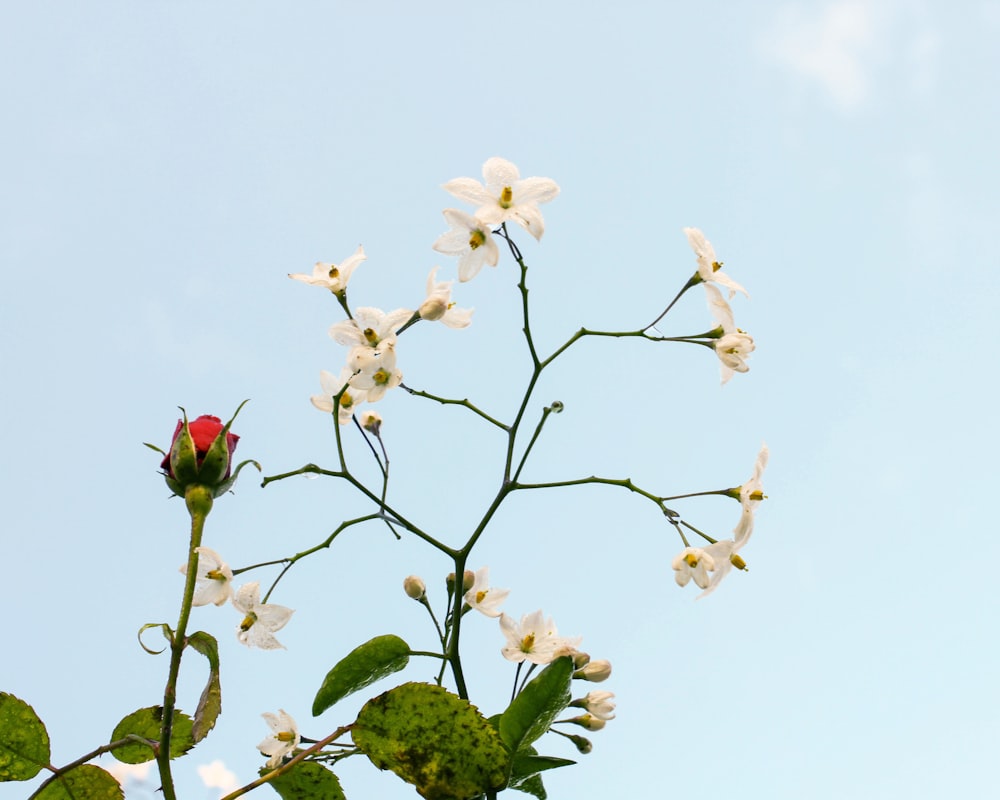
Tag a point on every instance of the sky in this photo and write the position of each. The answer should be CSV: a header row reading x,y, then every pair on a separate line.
x,y
165,166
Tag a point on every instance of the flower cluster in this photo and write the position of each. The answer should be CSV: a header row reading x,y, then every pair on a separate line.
x,y
732,345
503,195
213,584
708,565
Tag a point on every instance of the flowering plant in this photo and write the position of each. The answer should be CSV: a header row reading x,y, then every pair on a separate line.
x,y
428,733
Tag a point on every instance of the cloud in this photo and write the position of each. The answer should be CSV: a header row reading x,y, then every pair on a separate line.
x,y
123,773
833,47
217,776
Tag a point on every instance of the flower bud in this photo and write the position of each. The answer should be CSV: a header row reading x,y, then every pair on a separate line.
x,y
414,587
580,659
597,703
582,743
588,721
433,308
371,422
201,453
557,407
595,671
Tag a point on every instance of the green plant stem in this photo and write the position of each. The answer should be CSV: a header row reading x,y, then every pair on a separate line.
x,y
199,503
288,764
625,483
694,280
449,402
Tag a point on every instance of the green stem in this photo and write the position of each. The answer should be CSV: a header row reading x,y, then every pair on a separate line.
x,y
449,402
625,483
199,503
694,280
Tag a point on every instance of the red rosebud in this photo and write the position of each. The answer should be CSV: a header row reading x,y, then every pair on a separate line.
x,y
204,431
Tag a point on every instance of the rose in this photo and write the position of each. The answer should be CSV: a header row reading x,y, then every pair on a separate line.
x,y
204,431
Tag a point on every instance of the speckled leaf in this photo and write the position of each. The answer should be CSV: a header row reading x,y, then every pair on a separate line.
x,y
364,665
86,782
146,723
24,742
210,704
538,704
432,739
307,781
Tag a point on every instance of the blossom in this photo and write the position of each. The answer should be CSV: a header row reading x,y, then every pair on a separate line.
x,y
484,599
469,239
438,305
534,639
415,587
333,276
331,386
213,581
598,704
734,346
370,327
709,267
692,562
284,739
261,620
375,370
506,195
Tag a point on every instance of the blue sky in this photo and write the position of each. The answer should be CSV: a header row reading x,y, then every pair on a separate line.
x,y
166,165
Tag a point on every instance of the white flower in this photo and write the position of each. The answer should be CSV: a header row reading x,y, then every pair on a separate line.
x,y
535,639
331,386
213,582
334,277
709,267
283,740
734,346
598,704
438,305
484,599
725,553
376,370
692,562
370,327
469,239
261,620
506,196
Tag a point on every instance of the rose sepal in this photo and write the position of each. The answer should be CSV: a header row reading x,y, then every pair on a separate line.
x,y
216,463
226,485
183,457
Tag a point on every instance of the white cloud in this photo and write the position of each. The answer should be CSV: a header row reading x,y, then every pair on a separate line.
x,y
123,773
834,47
217,776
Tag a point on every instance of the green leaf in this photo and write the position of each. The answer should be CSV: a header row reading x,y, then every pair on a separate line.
x,y
524,765
539,703
307,780
86,782
532,785
24,742
146,723
210,703
364,665
432,739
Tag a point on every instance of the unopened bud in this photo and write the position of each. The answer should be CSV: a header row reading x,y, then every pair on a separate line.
x,y
468,580
588,721
414,587
371,422
582,743
557,406
433,308
595,671
580,659
597,703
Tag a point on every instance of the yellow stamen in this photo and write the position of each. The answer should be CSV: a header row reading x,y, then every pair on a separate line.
x,y
481,595
691,560
737,561
527,643
248,621
381,377
506,196
334,272
476,239
285,736
716,266
215,575
370,336
346,401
